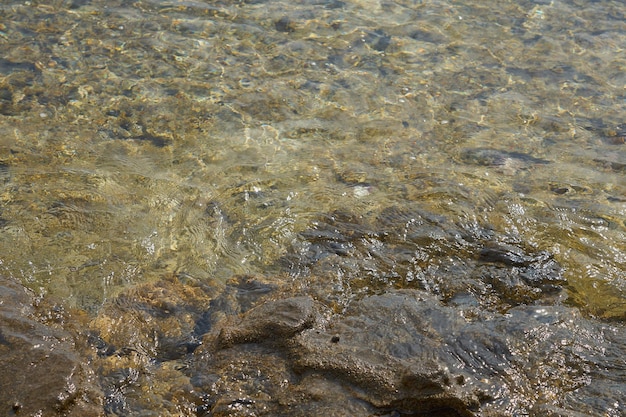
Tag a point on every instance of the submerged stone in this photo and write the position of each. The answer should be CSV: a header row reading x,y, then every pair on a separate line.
x,y
496,157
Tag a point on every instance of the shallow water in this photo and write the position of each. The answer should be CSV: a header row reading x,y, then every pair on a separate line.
x,y
375,144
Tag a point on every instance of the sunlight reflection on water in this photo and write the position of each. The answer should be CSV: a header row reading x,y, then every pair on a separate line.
x,y
382,143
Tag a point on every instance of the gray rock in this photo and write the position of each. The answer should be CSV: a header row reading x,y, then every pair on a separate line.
x,y
271,321
388,347
405,353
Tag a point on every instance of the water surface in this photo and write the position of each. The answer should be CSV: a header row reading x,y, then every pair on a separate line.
x,y
379,144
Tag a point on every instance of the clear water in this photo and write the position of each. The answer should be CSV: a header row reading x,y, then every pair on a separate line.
x,y
144,138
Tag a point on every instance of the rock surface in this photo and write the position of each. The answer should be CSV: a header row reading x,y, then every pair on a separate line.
x,y
402,353
259,347
42,374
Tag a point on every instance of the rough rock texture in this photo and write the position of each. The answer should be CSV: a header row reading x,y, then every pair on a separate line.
x,y
277,320
389,347
257,347
405,353
293,361
42,373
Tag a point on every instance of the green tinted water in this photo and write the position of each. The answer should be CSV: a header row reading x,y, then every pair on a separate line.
x,y
200,138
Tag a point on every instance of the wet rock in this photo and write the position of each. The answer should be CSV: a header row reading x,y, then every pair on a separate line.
x,y
240,294
284,24
141,339
265,348
166,311
611,164
615,135
378,40
326,370
405,353
7,67
412,248
496,157
5,174
42,372
516,276
387,347
270,321
426,36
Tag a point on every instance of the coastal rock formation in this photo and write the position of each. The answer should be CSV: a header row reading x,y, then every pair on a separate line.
x,y
402,353
258,347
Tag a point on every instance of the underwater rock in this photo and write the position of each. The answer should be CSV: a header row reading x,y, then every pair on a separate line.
x,y
496,157
475,334
413,248
42,373
142,338
516,276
